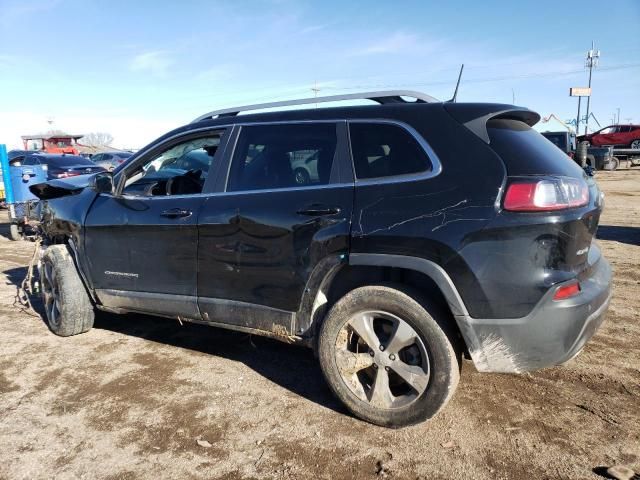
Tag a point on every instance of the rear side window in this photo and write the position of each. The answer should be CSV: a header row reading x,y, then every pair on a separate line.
x,y
283,156
385,150
526,152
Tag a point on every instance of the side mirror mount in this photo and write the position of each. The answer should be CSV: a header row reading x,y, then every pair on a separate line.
x,y
102,182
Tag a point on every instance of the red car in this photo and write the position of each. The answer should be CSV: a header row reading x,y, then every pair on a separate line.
x,y
618,135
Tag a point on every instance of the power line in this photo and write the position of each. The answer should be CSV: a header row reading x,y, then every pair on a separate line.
x,y
481,80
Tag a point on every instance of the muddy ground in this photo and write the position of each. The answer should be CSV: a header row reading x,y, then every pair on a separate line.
x,y
131,398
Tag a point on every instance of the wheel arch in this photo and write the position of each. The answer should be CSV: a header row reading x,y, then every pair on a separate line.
x,y
72,248
430,269
367,269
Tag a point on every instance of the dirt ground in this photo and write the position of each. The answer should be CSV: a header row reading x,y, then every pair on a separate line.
x,y
132,398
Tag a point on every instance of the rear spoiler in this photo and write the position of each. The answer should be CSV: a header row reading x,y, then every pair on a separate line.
x,y
475,116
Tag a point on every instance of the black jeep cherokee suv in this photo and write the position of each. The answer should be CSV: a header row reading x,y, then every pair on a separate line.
x,y
394,239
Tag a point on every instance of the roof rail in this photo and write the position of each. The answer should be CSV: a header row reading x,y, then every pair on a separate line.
x,y
382,97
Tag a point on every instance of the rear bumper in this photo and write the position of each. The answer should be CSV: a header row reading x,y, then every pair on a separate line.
x,y
553,333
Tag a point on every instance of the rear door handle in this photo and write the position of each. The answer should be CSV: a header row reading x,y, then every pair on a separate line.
x,y
176,213
318,210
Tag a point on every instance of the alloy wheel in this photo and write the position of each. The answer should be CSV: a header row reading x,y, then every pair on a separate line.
x,y
635,144
382,360
51,295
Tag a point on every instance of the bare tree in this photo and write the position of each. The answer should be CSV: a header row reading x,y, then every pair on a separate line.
x,y
97,139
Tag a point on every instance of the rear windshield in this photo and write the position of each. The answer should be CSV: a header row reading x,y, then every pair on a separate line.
x,y
66,161
526,152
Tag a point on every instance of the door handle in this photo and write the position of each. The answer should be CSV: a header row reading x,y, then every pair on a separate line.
x,y
176,213
318,210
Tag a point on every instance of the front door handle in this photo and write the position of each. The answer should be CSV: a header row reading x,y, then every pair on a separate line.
x,y
176,213
318,210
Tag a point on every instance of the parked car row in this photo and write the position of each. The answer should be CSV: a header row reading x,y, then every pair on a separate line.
x,y
57,166
110,160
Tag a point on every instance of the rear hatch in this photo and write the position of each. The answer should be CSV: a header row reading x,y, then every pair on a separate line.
x,y
529,157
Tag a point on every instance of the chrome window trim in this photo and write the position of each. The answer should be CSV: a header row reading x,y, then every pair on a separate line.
x,y
238,192
411,177
436,165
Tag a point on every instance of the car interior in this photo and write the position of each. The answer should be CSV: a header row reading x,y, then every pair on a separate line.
x,y
180,170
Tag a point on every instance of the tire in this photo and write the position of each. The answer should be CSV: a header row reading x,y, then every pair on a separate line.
x,y
591,161
67,305
14,232
635,145
615,163
612,164
301,176
349,365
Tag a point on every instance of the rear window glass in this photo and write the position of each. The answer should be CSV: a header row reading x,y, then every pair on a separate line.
x,y
385,150
526,152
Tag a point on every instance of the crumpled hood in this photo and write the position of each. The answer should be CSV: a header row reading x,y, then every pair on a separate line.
x,y
60,187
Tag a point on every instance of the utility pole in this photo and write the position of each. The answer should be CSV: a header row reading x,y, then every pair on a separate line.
x,y
578,117
592,61
618,122
315,89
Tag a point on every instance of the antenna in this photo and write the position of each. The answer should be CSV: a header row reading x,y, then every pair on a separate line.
x,y
455,93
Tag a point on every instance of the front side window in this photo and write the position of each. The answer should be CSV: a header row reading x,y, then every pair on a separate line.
x,y
283,156
385,150
179,170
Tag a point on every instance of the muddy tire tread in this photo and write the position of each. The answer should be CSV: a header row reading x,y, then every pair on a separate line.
x,y
77,312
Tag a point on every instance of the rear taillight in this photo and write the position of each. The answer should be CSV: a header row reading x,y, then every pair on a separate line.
x,y
68,174
567,291
536,195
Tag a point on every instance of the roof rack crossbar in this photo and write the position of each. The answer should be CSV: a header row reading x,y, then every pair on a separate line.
x,y
382,97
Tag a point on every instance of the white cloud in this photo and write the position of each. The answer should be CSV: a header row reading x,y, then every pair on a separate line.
x,y
156,63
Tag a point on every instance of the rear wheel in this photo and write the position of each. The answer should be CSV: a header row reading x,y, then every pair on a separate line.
x,y
635,144
67,304
612,164
386,357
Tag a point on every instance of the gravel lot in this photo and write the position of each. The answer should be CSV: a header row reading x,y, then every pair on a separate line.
x,y
139,397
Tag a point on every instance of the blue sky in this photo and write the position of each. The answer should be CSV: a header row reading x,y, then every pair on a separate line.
x,y
138,69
